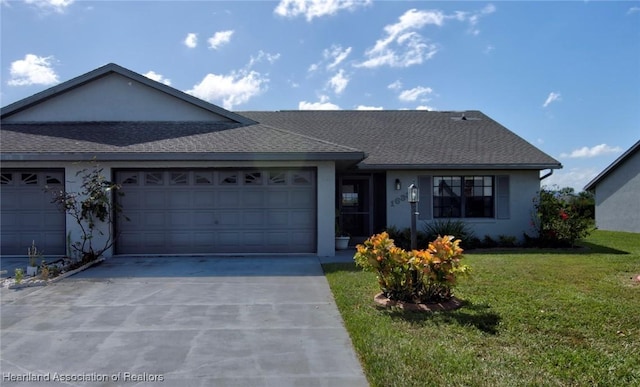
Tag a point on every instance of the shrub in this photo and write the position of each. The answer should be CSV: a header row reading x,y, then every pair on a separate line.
x,y
448,226
557,220
418,276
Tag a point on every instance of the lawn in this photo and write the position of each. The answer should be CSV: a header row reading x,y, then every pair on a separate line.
x,y
553,318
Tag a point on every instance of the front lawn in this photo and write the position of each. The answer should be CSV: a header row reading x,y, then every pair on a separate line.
x,y
563,318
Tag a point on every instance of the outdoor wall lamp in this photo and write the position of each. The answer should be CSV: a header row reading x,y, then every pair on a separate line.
x,y
398,185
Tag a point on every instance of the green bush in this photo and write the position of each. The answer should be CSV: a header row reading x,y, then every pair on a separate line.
x,y
441,227
558,221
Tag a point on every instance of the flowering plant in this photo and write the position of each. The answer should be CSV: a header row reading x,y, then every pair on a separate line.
x,y
417,276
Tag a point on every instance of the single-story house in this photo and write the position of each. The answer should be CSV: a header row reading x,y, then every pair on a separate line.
x,y
617,193
199,179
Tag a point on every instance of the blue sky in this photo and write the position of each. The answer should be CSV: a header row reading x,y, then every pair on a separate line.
x,y
565,76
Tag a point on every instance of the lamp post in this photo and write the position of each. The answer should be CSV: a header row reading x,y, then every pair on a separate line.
x,y
414,197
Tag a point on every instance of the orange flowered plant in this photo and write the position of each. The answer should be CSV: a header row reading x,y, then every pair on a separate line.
x,y
417,276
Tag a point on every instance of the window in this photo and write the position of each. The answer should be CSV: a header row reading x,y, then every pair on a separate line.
x,y
463,196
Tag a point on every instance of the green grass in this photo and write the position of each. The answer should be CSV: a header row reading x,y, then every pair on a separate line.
x,y
553,318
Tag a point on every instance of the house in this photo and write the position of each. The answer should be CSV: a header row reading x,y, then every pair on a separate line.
x,y
199,179
617,193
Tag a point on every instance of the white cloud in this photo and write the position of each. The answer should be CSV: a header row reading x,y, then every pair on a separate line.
x,y
397,85
576,178
323,104
586,152
232,89
158,77
316,8
414,94
220,38
553,97
191,40
262,56
402,46
337,54
633,10
364,107
474,17
425,107
339,82
32,70
51,5
332,56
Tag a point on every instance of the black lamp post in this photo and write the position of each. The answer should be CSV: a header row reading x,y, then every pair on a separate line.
x,y
414,197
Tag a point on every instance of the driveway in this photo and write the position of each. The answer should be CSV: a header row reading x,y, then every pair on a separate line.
x,y
181,321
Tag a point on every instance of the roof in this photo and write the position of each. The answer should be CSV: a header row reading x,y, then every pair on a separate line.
x,y
612,167
163,141
418,139
373,139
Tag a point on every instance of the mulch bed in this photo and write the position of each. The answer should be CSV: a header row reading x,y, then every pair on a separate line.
x,y
384,302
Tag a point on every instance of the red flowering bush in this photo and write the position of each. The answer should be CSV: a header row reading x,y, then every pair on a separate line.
x,y
558,220
417,276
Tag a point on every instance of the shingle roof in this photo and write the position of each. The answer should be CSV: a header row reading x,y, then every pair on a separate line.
x,y
416,139
375,139
165,140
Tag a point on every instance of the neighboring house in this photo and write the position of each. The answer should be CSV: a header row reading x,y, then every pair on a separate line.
x,y
617,193
201,179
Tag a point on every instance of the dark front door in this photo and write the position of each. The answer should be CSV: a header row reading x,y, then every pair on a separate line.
x,y
355,207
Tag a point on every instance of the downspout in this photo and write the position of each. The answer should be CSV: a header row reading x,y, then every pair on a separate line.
x,y
547,175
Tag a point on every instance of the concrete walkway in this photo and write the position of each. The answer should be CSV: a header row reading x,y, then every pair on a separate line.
x,y
190,321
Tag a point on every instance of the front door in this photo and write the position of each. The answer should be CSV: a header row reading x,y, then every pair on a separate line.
x,y
355,207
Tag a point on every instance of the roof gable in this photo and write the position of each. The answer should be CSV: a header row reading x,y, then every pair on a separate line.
x,y
631,152
113,93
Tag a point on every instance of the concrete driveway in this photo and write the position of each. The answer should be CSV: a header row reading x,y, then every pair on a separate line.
x,y
183,321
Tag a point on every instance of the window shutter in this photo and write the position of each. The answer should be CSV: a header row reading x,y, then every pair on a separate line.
x,y
503,210
425,205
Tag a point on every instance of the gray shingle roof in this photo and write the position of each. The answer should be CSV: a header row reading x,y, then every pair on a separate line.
x,y
165,140
375,139
416,139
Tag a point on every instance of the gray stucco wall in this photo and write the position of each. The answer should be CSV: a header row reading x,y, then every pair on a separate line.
x,y
523,187
618,197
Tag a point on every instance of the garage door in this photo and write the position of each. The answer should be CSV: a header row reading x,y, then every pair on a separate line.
x,y
217,211
27,213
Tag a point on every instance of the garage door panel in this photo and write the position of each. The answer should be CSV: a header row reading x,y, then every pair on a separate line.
x,y
228,199
179,199
204,199
153,199
154,220
218,211
302,218
277,199
277,218
28,213
252,218
204,219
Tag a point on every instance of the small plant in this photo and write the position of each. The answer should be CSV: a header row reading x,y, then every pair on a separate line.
x,y
19,274
44,271
33,254
418,276
448,226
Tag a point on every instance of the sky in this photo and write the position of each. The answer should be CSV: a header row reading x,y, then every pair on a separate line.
x,y
565,76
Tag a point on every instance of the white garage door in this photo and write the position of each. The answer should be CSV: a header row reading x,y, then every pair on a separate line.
x,y
27,213
217,211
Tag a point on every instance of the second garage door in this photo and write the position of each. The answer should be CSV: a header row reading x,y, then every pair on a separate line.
x,y
217,211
